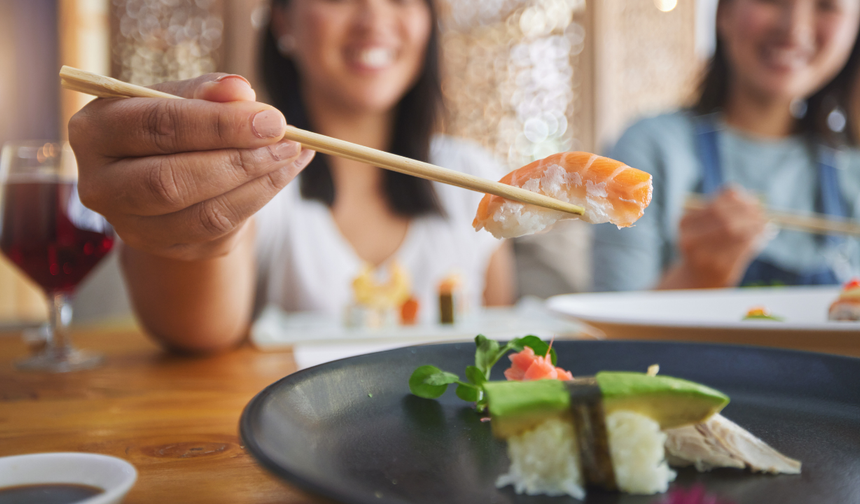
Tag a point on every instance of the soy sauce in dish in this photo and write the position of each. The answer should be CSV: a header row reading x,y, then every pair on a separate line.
x,y
49,493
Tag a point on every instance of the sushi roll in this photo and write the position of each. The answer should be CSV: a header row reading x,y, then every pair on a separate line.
x,y
605,431
847,305
609,190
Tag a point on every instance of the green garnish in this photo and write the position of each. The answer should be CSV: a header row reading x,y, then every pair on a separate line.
x,y
431,382
761,313
764,317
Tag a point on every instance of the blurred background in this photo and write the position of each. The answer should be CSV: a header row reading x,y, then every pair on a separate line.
x,y
524,78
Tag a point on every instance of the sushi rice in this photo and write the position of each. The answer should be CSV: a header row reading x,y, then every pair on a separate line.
x,y
608,191
518,219
545,460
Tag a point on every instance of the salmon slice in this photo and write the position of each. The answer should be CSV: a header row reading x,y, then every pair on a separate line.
x,y
609,190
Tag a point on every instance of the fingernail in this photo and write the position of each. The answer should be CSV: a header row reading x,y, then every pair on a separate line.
x,y
233,76
268,124
304,158
284,150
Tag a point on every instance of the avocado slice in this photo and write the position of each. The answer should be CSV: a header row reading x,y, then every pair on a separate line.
x,y
672,402
517,406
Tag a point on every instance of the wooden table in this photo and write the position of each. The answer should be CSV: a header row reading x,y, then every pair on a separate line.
x,y
175,418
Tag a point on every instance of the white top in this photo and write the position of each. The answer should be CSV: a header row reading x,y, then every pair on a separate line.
x,y
304,263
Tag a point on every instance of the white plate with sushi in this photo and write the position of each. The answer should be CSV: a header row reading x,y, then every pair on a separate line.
x,y
718,315
351,430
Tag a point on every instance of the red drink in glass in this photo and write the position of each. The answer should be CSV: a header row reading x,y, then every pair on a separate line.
x,y
51,237
47,238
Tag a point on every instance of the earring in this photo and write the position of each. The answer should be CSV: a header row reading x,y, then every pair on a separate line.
x,y
286,45
797,108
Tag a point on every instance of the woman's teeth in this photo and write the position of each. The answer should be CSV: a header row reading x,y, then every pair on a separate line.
x,y
377,57
786,57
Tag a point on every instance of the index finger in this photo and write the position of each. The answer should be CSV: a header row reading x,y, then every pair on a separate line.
x,y
219,87
133,127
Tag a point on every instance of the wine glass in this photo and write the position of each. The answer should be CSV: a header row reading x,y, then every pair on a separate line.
x,y
47,232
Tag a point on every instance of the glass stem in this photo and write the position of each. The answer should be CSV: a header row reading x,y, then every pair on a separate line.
x,y
61,317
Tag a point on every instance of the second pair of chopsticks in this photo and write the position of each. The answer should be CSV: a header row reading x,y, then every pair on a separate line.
x,y
810,223
106,87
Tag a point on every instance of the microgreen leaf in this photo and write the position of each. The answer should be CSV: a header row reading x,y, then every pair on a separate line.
x,y
441,378
467,393
486,353
430,382
475,375
515,345
539,346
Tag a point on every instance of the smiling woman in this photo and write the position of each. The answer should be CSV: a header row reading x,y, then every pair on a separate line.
x,y
772,124
368,71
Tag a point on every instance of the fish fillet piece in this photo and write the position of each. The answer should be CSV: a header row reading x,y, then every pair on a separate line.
x,y
719,442
609,190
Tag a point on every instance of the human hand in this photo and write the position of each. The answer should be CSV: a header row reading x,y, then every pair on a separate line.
x,y
719,241
180,178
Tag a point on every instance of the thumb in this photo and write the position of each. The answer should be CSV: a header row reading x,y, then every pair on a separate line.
x,y
217,87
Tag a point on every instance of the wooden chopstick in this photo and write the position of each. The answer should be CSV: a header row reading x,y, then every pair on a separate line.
x,y
106,87
810,223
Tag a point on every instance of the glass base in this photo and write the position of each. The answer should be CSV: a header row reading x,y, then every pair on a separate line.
x,y
61,361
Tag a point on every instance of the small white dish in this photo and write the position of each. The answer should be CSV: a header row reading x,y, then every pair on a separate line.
x,y
113,475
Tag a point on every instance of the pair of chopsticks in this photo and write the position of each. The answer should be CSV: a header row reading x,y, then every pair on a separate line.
x,y
810,223
106,87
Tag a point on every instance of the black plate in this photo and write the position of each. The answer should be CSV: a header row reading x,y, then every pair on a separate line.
x,y
351,431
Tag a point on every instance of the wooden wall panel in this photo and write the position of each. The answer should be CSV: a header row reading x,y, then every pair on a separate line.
x,y
645,61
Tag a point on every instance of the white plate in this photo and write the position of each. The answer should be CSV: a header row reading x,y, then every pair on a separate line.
x,y
316,339
115,476
717,315
276,329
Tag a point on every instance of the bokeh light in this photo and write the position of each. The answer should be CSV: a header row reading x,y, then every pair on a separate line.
x,y
159,40
510,67
665,5
510,75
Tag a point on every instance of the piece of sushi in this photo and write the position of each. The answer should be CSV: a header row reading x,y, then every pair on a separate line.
x,y
847,305
545,460
605,430
609,190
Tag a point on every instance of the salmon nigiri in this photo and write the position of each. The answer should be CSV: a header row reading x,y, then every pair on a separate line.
x,y
609,190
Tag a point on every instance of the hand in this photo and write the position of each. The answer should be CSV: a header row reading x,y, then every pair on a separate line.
x,y
180,178
719,241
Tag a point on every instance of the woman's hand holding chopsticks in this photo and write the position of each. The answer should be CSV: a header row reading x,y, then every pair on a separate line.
x,y
179,178
718,241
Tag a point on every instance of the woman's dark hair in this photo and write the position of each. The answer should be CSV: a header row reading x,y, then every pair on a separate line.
x,y
835,95
415,122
